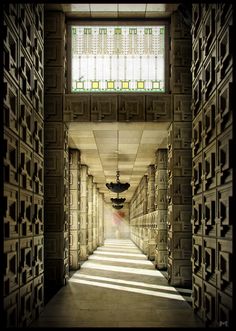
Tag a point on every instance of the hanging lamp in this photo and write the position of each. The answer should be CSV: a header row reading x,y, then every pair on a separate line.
x,y
117,206
117,187
118,201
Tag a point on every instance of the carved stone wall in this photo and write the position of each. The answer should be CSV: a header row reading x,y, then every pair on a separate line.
x,y
95,216
151,188
150,209
100,219
161,204
22,235
110,107
179,156
56,157
90,214
212,172
84,248
74,209
137,209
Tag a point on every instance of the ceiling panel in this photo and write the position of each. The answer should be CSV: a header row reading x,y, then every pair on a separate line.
x,y
131,7
157,7
79,7
131,14
129,146
103,7
110,10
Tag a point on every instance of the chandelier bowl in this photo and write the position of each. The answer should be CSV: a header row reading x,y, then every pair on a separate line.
x,y
117,206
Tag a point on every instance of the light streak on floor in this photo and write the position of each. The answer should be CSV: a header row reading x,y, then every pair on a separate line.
x,y
119,287
102,258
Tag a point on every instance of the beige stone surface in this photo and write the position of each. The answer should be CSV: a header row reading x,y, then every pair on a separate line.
x,y
118,287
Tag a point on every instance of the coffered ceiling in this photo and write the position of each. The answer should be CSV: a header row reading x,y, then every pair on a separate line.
x,y
129,146
115,10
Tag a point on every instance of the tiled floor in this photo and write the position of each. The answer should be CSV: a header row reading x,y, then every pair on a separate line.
x,y
118,287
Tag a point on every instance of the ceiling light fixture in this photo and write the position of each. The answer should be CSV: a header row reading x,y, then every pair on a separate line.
x,y
117,187
117,206
118,201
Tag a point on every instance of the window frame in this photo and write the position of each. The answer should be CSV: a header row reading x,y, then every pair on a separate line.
x,y
122,22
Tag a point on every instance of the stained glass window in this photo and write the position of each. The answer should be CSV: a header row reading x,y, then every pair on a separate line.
x,y
118,58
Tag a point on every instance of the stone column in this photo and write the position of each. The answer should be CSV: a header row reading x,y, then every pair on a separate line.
x,y
138,210
150,209
74,213
151,189
161,203
56,155
90,214
179,156
95,219
83,212
100,219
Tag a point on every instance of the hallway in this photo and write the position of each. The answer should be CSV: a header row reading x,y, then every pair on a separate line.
x,y
118,287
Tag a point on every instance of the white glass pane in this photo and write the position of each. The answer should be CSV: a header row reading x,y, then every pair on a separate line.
x,y
105,58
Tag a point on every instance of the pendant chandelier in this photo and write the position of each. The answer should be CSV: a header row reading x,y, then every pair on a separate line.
x,y
117,206
118,201
117,187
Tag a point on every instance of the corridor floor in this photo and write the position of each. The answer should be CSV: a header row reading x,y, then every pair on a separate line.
x,y
118,287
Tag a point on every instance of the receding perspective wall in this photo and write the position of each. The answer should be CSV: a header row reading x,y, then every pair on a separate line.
x,y
181,214
212,171
23,163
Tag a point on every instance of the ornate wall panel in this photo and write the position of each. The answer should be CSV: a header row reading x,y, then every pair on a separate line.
x,y
11,308
54,107
11,158
120,107
26,121
181,80
38,295
158,108
90,213
74,209
182,108
26,307
23,164
105,109
212,180
54,53
131,108
54,80
151,189
197,219
179,154
56,175
178,218
77,108
83,213
55,28
196,258
10,103
161,207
